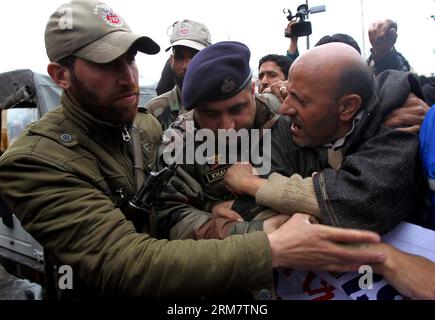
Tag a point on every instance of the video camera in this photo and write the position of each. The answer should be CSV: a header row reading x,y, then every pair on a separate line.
x,y
302,27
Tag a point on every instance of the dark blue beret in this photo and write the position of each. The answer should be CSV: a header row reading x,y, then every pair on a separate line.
x,y
216,73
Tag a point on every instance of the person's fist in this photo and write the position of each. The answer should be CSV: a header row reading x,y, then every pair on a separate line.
x,y
383,36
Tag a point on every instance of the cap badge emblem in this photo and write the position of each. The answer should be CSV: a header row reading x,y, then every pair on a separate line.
x,y
185,29
228,85
108,15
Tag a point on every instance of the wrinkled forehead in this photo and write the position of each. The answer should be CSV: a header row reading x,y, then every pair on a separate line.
x,y
269,63
304,69
268,66
312,82
315,69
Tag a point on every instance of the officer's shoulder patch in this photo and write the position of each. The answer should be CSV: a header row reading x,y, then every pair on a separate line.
x,y
53,132
177,130
159,102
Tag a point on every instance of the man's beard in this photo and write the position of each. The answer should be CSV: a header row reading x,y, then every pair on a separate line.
x,y
102,109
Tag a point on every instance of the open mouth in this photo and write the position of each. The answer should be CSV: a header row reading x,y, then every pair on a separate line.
x,y
295,129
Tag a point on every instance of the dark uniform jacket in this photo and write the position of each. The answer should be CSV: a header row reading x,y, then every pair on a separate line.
x,y
392,61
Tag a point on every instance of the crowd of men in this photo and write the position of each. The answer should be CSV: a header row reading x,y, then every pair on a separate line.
x,y
344,163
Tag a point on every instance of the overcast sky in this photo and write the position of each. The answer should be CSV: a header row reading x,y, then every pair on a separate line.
x,y
259,24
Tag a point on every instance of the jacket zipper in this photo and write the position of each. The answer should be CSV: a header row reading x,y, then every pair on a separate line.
x,y
122,148
126,135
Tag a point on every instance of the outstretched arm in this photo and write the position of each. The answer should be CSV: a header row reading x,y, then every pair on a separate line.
x,y
413,276
309,246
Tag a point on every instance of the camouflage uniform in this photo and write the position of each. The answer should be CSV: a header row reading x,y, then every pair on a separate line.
x,y
185,213
166,107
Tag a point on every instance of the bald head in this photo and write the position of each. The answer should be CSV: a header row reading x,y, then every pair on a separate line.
x,y
339,68
335,51
327,87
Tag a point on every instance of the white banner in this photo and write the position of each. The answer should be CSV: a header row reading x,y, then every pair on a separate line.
x,y
309,285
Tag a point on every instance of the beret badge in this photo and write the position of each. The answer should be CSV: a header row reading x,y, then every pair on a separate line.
x,y
228,85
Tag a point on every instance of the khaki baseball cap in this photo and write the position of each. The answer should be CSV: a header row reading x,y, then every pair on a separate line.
x,y
91,30
190,34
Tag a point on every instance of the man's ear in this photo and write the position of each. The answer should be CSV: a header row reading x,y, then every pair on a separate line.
x,y
61,75
349,106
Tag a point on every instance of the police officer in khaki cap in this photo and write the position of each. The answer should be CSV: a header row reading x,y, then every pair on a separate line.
x,y
68,174
92,31
84,37
187,39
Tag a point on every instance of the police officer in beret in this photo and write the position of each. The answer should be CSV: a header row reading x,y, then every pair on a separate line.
x,y
218,93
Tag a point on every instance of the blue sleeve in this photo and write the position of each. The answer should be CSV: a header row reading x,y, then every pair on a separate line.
x,y
292,56
427,151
